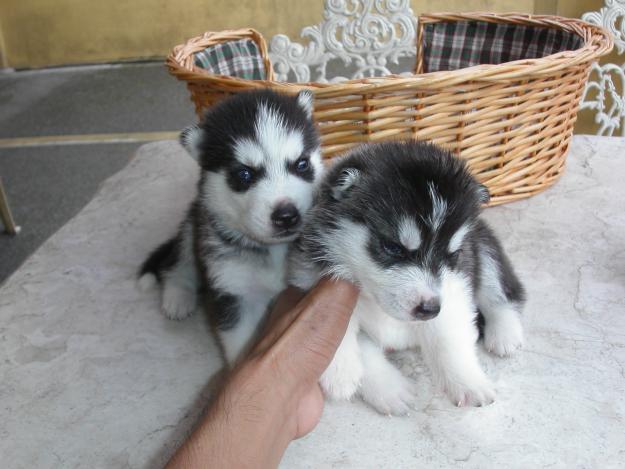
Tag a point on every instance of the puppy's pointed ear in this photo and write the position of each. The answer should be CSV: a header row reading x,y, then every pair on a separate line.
x,y
305,101
191,138
347,179
483,194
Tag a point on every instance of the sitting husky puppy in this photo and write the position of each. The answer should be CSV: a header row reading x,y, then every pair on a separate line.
x,y
400,220
260,159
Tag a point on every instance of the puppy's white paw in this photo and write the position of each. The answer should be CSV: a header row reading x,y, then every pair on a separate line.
x,y
178,302
475,390
147,282
388,391
503,334
342,379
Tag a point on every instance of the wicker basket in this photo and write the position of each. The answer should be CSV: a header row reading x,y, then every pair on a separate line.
x,y
512,122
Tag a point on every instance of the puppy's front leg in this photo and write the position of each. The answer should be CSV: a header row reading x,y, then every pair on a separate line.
x,y
237,324
383,386
342,378
449,346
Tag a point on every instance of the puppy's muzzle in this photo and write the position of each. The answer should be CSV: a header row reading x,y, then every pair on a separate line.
x,y
285,217
427,309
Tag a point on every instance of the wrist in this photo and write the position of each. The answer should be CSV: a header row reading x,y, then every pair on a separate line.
x,y
255,413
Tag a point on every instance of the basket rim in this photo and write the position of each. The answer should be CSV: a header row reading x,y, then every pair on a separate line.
x,y
597,42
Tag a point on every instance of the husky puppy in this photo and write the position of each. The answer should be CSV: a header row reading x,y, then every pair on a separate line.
x,y
259,156
401,220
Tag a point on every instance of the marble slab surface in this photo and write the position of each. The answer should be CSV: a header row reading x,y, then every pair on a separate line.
x,y
91,375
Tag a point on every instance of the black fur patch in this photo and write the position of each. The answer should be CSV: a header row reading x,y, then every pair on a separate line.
x,y
234,180
234,119
307,175
226,311
163,258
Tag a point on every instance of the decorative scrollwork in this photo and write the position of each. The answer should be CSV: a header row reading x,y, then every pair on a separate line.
x,y
612,18
367,36
605,90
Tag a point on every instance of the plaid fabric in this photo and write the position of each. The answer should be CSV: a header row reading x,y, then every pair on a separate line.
x,y
234,58
454,45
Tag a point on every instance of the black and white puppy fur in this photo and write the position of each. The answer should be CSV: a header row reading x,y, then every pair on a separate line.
x,y
401,220
260,160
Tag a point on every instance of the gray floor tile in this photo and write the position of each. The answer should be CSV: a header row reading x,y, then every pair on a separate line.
x,y
46,186
85,100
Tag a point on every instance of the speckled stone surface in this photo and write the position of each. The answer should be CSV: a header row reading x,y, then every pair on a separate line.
x,y
91,375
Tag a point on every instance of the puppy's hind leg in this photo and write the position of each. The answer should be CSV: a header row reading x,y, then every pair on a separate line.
x,y
500,296
173,265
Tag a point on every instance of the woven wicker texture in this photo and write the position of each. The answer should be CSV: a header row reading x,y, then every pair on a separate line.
x,y
512,122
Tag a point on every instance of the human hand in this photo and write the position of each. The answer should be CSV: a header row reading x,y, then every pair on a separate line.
x,y
272,395
301,340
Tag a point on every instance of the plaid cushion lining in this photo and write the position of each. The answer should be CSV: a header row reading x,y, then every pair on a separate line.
x,y
234,58
454,45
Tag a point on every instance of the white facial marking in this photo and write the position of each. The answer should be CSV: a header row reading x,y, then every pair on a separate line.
x,y
409,234
274,144
439,208
456,240
277,141
317,163
249,153
397,291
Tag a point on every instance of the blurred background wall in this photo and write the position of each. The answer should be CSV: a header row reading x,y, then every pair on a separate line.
x,y
43,33
40,33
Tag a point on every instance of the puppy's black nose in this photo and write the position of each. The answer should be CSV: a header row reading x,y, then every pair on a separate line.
x,y
285,216
427,310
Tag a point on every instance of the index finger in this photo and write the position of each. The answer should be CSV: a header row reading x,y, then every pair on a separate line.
x,y
322,320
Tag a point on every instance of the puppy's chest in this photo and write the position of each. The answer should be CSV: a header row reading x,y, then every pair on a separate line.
x,y
385,330
255,275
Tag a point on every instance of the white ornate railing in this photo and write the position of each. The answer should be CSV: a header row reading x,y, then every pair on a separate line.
x,y
605,90
367,36
370,37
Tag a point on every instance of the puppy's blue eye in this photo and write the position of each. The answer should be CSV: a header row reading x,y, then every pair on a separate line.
x,y
245,175
393,249
302,165
453,257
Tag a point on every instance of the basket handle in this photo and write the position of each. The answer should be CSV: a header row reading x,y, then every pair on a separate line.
x,y
181,58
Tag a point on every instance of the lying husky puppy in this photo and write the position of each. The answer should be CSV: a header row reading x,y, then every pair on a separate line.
x,y
260,159
401,220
